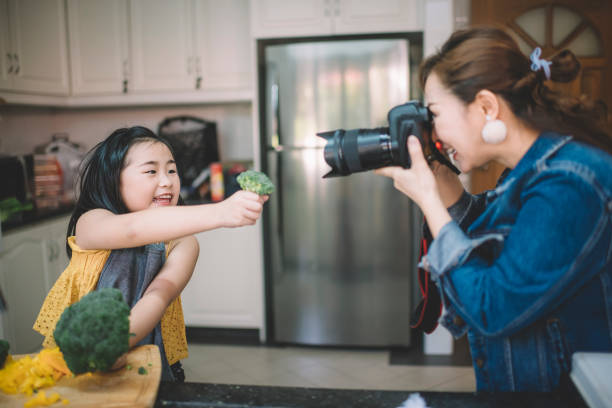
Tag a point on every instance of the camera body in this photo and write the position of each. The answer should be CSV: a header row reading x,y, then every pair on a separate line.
x,y
357,150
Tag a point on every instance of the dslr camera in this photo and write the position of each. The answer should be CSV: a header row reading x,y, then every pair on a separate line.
x,y
356,150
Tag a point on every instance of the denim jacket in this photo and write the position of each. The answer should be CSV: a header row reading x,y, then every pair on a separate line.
x,y
526,269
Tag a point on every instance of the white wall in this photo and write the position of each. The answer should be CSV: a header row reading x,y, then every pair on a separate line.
x,y
23,127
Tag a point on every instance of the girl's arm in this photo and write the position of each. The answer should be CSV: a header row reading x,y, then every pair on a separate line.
x,y
101,229
165,287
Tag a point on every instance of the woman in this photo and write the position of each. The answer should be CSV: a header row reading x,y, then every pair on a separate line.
x,y
525,269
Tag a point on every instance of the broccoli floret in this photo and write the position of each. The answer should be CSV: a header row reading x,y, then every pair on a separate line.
x,y
256,182
94,332
4,350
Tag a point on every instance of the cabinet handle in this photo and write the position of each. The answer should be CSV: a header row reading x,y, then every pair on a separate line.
x,y
9,57
125,86
198,66
51,251
16,62
126,71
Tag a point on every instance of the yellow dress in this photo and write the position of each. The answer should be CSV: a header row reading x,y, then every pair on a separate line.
x,y
81,277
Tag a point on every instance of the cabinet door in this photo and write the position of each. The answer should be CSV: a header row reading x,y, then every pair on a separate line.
x,y
226,287
162,49
56,255
98,46
223,44
289,18
5,56
383,16
23,267
38,37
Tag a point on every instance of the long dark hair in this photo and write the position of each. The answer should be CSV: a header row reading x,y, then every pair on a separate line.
x,y
99,178
488,58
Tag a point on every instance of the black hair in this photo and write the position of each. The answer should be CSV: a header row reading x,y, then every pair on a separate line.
x,y
99,176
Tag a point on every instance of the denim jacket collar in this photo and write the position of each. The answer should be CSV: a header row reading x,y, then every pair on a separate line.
x,y
545,146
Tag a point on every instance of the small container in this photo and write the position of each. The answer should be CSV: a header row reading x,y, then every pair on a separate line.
x,y
217,189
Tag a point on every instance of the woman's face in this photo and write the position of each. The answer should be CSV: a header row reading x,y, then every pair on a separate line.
x,y
149,177
456,125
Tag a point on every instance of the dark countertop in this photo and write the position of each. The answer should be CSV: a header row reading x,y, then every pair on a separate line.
x,y
201,395
31,218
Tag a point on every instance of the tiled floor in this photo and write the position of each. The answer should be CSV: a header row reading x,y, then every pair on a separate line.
x,y
322,368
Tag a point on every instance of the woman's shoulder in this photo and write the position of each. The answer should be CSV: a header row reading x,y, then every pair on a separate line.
x,y
571,166
591,164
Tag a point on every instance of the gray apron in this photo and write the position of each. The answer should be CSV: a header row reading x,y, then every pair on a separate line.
x,y
131,270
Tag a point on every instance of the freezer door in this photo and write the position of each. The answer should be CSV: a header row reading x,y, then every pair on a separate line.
x,y
314,87
343,255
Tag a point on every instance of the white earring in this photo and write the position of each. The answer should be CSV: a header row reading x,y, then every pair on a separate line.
x,y
494,131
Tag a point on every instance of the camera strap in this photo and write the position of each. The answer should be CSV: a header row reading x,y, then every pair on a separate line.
x,y
426,314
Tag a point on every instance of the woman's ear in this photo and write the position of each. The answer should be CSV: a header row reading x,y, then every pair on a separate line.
x,y
488,102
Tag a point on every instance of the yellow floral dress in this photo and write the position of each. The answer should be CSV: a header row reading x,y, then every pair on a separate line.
x,y
81,277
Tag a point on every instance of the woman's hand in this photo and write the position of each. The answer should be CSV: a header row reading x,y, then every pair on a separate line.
x,y
417,182
242,208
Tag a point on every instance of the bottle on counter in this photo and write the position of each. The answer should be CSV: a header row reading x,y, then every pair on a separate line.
x,y
217,189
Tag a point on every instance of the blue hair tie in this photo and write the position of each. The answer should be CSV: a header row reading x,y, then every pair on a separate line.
x,y
537,63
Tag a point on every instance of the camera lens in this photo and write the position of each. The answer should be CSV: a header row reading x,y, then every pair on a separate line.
x,y
355,150
351,151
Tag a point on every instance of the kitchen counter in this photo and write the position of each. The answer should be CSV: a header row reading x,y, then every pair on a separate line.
x,y
30,218
201,395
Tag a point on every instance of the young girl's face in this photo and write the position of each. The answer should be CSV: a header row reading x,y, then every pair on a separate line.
x,y
149,177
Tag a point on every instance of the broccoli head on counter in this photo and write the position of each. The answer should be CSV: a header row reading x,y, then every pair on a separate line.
x,y
256,182
94,332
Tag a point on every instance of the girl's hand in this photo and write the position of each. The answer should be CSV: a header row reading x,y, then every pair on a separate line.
x,y
242,208
417,182
120,363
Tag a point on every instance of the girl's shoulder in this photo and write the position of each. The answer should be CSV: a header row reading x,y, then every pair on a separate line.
x,y
88,252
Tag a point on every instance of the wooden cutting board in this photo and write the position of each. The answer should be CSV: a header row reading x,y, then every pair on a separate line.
x,y
121,388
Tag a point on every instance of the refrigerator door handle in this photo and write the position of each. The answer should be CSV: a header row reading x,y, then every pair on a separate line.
x,y
275,141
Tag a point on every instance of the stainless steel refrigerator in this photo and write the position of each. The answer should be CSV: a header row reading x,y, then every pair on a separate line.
x,y
340,253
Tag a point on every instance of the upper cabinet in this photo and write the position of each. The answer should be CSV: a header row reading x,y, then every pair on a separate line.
x,y
125,52
34,47
223,46
162,45
99,59
290,18
201,45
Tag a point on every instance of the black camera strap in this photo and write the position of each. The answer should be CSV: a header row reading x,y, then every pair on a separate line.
x,y
425,316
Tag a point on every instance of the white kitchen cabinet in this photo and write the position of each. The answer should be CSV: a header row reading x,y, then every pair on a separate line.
x,y
30,262
33,37
291,18
98,40
226,287
162,45
222,45
6,57
190,45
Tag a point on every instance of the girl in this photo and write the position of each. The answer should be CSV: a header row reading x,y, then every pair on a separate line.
x,y
127,232
524,269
